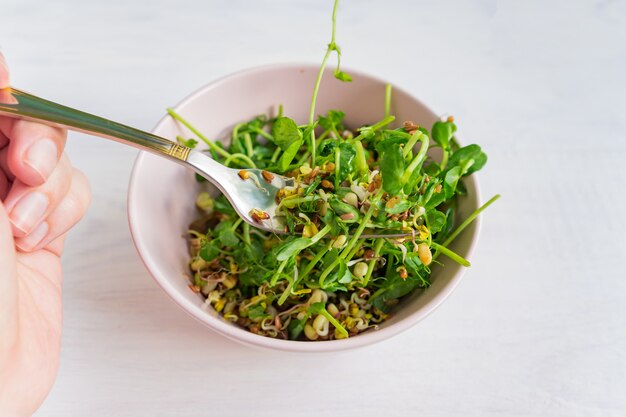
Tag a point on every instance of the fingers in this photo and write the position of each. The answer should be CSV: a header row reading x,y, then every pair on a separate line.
x,y
5,175
34,151
4,186
4,72
67,213
4,140
4,167
6,125
29,206
57,245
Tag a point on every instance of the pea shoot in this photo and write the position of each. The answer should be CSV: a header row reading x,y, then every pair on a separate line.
x,y
322,281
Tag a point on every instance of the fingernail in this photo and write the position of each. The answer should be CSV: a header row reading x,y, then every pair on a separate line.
x,y
29,211
34,238
42,157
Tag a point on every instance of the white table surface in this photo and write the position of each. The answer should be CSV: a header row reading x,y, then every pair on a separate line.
x,y
537,328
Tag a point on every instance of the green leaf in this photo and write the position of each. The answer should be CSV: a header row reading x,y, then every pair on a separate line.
x,y
254,277
290,221
445,232
311,187
333,120
430,199
250,254
390,137
340,208
361,160
367,132
296,327
288,156
413,264
393,287
347,165
293,247
432,170
334,287
435,200
435,220
316,308
327,147
222,226
450,181
416,269
344,278
337,227
209,251
461,189
263,152
222,205
257,312
392,168
400,207
442,133
286,133
190,143
341,274
342,76
228,237
411,183
466,155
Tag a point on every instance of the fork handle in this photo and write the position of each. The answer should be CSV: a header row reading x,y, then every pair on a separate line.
x,y
17,103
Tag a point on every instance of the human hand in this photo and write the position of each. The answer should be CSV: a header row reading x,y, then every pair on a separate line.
x,y
41,198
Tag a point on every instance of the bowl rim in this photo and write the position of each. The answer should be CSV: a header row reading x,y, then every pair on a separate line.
x,y
241,335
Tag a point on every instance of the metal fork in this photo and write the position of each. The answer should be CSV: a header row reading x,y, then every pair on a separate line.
x,y
254,195
254,199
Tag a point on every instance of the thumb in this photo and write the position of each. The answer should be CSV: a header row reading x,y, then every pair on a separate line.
x,y
8,272
8,283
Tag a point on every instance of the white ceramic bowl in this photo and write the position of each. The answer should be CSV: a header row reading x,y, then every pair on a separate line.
x,y
162,194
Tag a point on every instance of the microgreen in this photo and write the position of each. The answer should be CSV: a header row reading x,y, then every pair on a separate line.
x,y
322,278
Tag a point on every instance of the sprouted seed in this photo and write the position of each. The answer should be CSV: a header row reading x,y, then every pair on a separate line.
x,y
321,281
267,176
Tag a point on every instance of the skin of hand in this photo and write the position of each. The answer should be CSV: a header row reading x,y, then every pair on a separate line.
x,y
41,198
